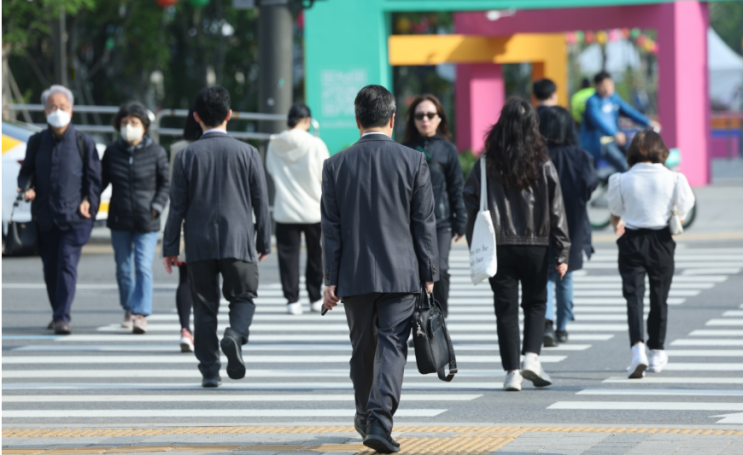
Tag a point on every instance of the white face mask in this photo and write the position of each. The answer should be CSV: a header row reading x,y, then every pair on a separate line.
x,y
59,118
132,133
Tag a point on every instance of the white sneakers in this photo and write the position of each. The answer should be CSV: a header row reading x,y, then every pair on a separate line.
x,y
513,381
639,363
296,308
657,360
531,370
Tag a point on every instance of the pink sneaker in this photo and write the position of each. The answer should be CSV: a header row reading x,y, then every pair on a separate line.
x,y
186,341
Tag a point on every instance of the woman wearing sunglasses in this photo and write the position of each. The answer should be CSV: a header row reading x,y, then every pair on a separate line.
x,y
427,131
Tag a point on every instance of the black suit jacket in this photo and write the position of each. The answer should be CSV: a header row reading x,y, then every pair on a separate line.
x,y
378,222
218,183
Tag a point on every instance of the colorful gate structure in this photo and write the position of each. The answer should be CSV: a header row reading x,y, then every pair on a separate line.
x,y
348,44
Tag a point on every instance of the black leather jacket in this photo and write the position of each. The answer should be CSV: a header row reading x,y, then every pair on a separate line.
x,y
522,217
446,179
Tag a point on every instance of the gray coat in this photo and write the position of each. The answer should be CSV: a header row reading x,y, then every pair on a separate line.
x,y
378,222
218,183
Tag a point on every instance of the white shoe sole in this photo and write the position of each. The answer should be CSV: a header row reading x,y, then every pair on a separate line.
x,y
657,368
512,388
639,372
535,378
186,345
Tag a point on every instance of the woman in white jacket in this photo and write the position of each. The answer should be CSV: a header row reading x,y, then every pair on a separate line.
x,y
642,201
295,159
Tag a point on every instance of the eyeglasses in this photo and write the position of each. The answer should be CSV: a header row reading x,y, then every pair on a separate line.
x,y
430,115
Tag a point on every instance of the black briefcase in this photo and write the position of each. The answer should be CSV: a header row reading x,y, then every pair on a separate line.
x,y
433,348
22,239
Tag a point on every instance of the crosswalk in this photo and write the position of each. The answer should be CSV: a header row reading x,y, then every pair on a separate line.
x,y
704,358
298,365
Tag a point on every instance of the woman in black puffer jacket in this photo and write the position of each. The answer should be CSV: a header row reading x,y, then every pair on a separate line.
x,y
138,172
427,131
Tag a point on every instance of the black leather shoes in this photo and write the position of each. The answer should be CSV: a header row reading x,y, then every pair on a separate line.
x,y
360,426
550,339
51,325
211,383
62,328
231,347
562,336
379,439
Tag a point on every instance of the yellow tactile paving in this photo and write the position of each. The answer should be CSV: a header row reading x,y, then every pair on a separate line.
x,y
415,440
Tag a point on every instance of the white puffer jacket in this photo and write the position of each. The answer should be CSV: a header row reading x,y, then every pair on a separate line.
x,y
294,159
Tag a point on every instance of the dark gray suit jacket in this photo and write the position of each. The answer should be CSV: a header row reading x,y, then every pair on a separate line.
x,y
218,182
378,223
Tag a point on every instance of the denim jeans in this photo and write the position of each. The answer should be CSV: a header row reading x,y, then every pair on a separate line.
x,y
562,291
134,253
614,155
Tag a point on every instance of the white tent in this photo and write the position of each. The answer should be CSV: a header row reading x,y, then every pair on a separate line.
x,y
725,73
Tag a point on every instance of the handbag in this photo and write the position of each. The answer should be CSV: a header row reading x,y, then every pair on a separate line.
x,y
674,223
433,347
22,238
483,259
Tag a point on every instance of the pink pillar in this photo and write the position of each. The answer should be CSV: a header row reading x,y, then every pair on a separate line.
x,y
683,103
480,93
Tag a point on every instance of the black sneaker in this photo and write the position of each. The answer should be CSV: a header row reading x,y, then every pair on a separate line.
x,y
379,439
211,383
550,339
231,347
562,336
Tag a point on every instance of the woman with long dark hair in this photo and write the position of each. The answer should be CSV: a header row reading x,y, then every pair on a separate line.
x,y
525,203
183,301
578,179
427,130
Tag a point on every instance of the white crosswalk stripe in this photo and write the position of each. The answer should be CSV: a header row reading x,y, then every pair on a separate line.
x,y
304,359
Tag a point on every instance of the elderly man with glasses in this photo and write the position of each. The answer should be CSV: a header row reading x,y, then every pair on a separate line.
x,y
61,174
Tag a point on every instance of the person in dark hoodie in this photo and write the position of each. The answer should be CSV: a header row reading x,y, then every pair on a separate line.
x,y
427,130
578,179
137,169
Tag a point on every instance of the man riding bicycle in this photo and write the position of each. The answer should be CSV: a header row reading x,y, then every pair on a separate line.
x,y
599,132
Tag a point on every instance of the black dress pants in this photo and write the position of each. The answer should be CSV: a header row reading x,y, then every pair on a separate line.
x,y
239,287
647,251
380,326
526,265
288,243
441,288
60,253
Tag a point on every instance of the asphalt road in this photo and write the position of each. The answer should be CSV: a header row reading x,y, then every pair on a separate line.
x,y
298,366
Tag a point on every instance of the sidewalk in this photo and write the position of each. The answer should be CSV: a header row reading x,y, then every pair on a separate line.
x,y
429,440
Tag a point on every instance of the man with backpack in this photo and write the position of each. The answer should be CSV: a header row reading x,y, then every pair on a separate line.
x,y
61,174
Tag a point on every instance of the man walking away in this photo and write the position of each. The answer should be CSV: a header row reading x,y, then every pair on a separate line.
x,y
380,248
545,91
62,175
294,159
218,184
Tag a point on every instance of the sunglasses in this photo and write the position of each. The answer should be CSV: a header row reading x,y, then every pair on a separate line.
x,y
430,115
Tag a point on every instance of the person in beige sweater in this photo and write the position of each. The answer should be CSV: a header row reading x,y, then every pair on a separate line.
x,y
294,159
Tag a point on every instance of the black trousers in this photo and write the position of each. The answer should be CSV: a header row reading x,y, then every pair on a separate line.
x,y
60,253
526,265
647,251
441,288
239,287
288,243
183,298
380,326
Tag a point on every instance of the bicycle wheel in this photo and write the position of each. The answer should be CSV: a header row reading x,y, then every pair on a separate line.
x,y
598,207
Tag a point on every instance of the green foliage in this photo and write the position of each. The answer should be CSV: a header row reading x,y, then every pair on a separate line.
x,y
467,160
726,18
27,21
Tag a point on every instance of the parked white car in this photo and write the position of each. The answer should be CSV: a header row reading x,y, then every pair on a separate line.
x,y
15,137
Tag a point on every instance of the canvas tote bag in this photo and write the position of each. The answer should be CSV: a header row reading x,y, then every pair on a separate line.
x,y
483,261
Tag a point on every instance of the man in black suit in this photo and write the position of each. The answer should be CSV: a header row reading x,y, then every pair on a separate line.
x,y
217,186
380,250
